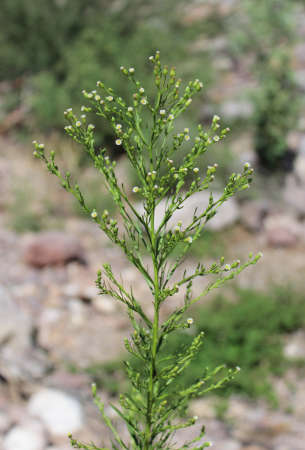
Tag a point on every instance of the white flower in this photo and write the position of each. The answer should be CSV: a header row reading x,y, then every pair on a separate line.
x,y
216,138
170,161
135,189
118,126
162,112
188,102
247,165
189,239
83,116
190,320
216,118
130,109
186,137
186,130
91,126
151,58
238,368
94,214
97,98
195,417
122,68
171,117
141,90
101,102
195,170
131,70
89,95
109,98
78,124
227,267
83,108
118,141
41,146
176,229
144,101
197,139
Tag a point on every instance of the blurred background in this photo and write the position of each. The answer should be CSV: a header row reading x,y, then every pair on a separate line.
x,y
56,334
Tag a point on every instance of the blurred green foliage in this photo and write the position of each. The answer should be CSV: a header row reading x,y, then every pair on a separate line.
x,y
65,46
266,30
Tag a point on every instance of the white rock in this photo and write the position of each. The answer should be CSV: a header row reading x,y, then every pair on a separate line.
x,y
60,412
295,346
25,437
227,214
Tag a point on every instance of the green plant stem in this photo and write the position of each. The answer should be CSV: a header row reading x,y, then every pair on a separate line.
x,y
155,337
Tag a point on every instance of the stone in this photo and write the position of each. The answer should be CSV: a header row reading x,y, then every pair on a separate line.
x,y
226,216
282,231
295,346
19,360
299,168
25,437
59,412
252,214
294,195
51,248
236,109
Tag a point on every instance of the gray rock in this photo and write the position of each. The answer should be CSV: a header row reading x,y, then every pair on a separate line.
x,y
236,109
60,413
252,215
227,214
25,437
19,360
294,195
282,230
295,346
52,248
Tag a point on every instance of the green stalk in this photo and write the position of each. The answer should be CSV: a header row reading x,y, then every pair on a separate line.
x,y
155,338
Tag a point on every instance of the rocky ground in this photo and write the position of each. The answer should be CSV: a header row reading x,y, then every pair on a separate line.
x,y
52,321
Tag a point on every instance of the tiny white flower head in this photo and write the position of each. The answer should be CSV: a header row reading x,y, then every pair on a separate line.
x,y
131,70
171,117
142,90
195,418
83,108
186,130
135,189
162,112
188,102
144,101
41,146
97,98
197,139
122,68
189,239
170,161
118,126
247,165
91,126
190,320
102,102
94,91
209,444
118,141
200,84
187,137
216,118
227,267
216,138
130,109
238,368
94,214
179,223
83,116
89,95
109,98
176,229
151,58
196,170
78,124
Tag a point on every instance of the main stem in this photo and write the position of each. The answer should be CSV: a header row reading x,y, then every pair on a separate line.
x,y
155,337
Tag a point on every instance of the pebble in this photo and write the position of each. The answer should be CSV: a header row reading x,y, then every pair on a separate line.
x,y
25,437
60,413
